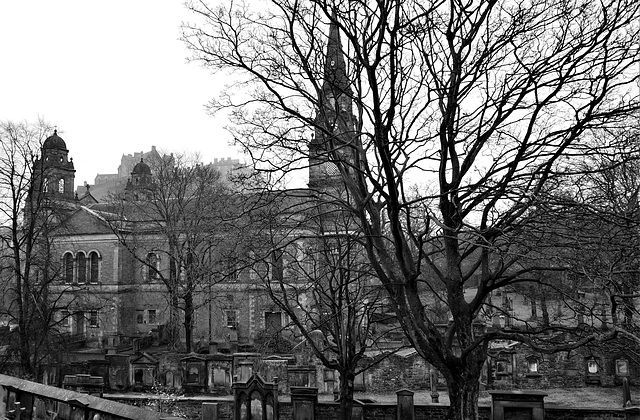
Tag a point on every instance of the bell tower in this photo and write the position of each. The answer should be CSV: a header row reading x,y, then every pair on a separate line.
x,y
56,169
334,145
140,184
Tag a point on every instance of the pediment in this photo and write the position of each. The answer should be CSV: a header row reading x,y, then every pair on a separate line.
x,y
83,221
144,359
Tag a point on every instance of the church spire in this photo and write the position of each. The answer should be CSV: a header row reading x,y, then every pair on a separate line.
x,y
335,122
336,83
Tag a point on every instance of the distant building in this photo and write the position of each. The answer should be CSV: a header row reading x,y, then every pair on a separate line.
x,y
115,183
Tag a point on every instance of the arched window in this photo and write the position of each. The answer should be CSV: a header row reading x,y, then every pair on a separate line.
x,y
153,266
94,266
67,262
82,268
61,185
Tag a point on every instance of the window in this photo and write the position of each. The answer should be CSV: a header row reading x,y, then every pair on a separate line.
x,y
151,314
272,322
592,367
232,319
68,267
153,266
93,319
232,268
93,267
64,319
622,367
329,375
82,268
532,365
140,316
61,185
358,382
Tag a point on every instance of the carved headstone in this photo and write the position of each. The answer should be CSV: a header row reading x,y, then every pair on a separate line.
x,y
303,401
405,405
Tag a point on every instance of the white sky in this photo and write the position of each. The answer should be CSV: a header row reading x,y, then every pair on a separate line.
x,y
113,77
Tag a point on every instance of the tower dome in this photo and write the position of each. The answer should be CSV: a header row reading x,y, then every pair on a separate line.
x,y
141,168
54,142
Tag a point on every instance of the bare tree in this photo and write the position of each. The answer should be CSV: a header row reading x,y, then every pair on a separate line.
x,y
27,269
480,104
178,214
317,275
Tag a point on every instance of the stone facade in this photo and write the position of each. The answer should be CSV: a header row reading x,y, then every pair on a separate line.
x,y
605,365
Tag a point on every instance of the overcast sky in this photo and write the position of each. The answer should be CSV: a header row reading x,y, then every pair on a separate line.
x,y
113,77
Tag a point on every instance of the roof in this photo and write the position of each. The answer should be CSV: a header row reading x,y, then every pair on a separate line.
x,y
145,359
141,168
54,142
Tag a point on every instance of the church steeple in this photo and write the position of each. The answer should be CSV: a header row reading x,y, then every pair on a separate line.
x,y
335,121
336,83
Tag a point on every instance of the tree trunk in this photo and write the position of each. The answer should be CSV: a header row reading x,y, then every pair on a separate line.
x,y
463,397
534,304
545,309
188,320
174,320
23,326
346,394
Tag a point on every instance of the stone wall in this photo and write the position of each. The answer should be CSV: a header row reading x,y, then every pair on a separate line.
x,y
397,372
191,409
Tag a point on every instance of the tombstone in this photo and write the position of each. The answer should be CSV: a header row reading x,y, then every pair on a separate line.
x,y
303,402
3,401
523,405
405,405
255,399
210,411
357,411
168,379
144,370
219,370
194,368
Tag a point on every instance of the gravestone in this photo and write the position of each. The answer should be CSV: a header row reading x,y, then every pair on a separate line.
x,y
210,411
405,405
520,405
303,401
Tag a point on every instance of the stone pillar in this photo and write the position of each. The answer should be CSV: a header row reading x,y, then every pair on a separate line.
x,y
405,409
435,397
520,404
210,411
303,402
626,393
